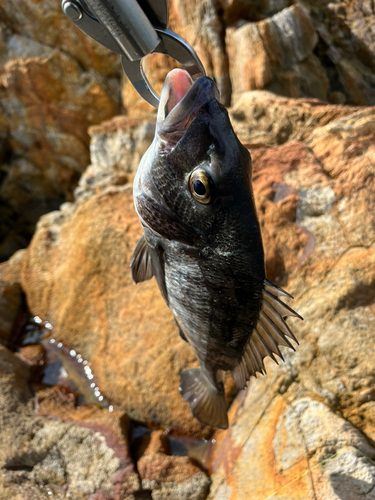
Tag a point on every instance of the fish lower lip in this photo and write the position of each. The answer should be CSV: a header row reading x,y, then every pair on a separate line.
x,y
174,125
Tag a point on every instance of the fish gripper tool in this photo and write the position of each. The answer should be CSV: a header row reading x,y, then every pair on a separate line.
x,y
133,29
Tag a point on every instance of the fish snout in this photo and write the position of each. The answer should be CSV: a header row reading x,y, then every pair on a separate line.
x,y
180,101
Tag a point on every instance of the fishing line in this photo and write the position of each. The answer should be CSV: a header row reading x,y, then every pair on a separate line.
x,y
309,470
304,474
317,465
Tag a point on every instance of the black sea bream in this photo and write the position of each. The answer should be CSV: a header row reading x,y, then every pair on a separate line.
x,y
202,242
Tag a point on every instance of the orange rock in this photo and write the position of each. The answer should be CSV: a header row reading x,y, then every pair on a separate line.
x,y
277,54
286,454
49,102
199,22
261,118
118,145
45,23
48,91
250,67
34,355
286,244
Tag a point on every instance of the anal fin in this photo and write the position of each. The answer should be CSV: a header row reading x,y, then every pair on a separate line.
x,y
207,403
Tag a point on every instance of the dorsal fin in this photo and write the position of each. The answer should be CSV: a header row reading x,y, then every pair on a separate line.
x,y
140,264
270,332
276,290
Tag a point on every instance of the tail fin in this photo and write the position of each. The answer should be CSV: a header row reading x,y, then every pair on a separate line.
x,y
207,402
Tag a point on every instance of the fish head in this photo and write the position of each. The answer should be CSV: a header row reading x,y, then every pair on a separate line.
x,y
194,183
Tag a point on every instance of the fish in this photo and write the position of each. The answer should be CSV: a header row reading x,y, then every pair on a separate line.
x,y
202,242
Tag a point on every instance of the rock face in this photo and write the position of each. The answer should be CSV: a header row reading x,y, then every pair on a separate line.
x,y
314,200
265,55
48,101
318,49
314,49
199,22
118,145
261,118
44,22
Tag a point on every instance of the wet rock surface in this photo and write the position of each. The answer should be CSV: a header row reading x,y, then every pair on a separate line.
x,y
46,458
167,475
52,446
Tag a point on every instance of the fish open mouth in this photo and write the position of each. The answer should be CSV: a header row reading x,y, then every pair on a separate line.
x,y
180,101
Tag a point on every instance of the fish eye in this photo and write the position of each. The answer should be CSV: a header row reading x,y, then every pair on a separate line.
x,y
199,184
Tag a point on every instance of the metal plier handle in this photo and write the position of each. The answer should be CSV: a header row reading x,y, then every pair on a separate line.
x,y
133,29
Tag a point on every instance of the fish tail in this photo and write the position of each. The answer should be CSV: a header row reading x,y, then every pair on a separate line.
x,y
207,400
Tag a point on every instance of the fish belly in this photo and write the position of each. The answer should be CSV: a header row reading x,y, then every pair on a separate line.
x,y
189,299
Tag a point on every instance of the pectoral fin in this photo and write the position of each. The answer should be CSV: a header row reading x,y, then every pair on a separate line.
x,y
147,262
270,332
157,258
141,264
